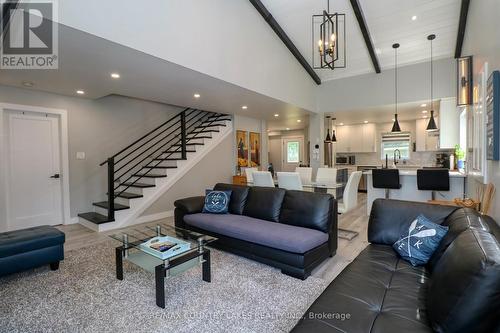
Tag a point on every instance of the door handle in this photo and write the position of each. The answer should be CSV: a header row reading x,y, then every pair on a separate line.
x,y
55,176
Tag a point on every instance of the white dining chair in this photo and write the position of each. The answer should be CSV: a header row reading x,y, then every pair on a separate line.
x,y
249,174
289,181
262,178
350,198
305,174
326,175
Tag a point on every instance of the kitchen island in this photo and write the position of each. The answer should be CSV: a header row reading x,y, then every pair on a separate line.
x,y
409,190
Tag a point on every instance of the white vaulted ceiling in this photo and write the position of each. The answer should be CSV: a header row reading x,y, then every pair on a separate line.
x,y
388,21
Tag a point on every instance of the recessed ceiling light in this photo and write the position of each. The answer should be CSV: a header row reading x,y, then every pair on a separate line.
x,y
414,18
366,121
299,121
288,128
80,92
424,111
423,105
341,124
276,115
115,75
197,95
28,84
244,107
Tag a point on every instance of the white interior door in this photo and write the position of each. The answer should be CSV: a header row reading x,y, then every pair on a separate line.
x,y
293,153
34,191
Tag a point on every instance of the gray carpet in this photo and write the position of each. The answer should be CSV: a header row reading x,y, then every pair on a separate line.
x,y
85,296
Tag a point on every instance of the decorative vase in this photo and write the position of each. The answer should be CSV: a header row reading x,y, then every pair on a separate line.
x,y
460,164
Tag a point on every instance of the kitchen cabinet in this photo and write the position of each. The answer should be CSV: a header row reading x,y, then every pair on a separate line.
x,y
356,138
426,141
449,123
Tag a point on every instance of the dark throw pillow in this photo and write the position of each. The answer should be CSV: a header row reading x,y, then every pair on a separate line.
x,y
217,202
420,242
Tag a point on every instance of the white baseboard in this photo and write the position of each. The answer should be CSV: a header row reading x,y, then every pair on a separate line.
x,y
154,217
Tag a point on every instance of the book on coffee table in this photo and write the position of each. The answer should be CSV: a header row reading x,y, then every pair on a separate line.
x,y
165,247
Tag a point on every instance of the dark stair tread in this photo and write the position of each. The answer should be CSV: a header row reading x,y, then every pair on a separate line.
x,y
178,151
204,131
219,118
198,137
150,175
211,125
188,144
128,195
170,159
95,217
104,204
160,167
139,185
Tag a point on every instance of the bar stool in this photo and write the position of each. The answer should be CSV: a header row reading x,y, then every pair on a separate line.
x,y
433,179
387,179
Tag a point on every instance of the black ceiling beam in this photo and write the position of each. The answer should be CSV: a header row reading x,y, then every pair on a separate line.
x,y
464,11
285,39
366,33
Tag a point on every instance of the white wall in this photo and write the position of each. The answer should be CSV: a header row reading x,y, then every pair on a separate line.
x,y
99,128
226,39
373,89
276,146
482,41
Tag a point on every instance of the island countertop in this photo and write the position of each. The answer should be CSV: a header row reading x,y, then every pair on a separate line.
x,y
413,172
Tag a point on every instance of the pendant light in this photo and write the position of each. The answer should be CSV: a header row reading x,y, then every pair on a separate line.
x,y
431,126
334,137
328,138
395,127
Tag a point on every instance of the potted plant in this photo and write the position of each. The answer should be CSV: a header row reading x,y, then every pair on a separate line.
x,y
460,156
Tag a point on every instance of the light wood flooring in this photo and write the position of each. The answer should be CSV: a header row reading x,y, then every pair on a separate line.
x,y
77,236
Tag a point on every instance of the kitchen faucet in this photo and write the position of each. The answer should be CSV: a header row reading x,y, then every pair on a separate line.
x,y
397,157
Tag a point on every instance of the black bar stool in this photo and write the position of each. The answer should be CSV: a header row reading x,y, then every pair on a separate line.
x,y
433,179
387,179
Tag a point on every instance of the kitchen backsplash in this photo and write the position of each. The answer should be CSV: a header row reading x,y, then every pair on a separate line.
x,y
417,159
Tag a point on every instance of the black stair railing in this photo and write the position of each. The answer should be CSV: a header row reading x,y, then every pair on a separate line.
x,y
150,150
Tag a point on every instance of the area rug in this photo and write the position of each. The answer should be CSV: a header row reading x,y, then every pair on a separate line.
x,y
85,296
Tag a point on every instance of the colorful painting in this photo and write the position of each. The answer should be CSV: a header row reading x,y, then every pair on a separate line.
x,y
254,149
242,147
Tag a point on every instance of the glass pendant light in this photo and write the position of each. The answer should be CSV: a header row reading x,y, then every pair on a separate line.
x,y
431,126
395,127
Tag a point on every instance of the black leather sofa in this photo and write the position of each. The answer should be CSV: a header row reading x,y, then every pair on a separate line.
x,y
292,230
29,248
457,291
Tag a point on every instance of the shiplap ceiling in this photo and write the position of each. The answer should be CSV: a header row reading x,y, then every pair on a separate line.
x,y
389,21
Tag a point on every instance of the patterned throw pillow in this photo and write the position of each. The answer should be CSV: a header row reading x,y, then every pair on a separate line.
x,y
420,242
217,202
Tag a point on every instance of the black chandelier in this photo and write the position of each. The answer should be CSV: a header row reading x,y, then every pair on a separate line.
x,y
328,40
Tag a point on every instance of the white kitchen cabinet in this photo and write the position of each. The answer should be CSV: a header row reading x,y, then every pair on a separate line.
x,y
356,138
426,141
449,123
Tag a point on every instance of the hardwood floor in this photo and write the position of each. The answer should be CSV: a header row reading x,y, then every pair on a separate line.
x,y
78,236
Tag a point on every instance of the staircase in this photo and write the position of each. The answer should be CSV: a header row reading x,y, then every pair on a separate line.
x,y
141,172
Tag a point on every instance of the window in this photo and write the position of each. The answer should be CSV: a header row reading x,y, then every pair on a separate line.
x,y
391,142
292,152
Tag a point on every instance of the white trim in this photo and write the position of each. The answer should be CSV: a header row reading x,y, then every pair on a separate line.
x,y
155,217
63,116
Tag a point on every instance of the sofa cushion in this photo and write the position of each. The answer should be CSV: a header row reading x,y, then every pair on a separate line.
x,y
307,209
378,290
239,196
25,240
418,243
463,294
264,203
276,235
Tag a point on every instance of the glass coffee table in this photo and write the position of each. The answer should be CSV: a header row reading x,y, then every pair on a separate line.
x,y
189,251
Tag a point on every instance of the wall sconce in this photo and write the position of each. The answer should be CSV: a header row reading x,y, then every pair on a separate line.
x,y
464,81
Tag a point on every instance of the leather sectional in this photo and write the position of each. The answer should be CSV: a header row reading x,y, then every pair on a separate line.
x,y
292,230
457,291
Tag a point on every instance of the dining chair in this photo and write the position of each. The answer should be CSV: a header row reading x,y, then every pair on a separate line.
x,y
350,197
289,181
262,178
326,175
249,173
305,174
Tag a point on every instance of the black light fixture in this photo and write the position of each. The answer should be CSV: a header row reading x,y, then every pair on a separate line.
x,y
395,127
431,126
328,40
328,138
334,137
